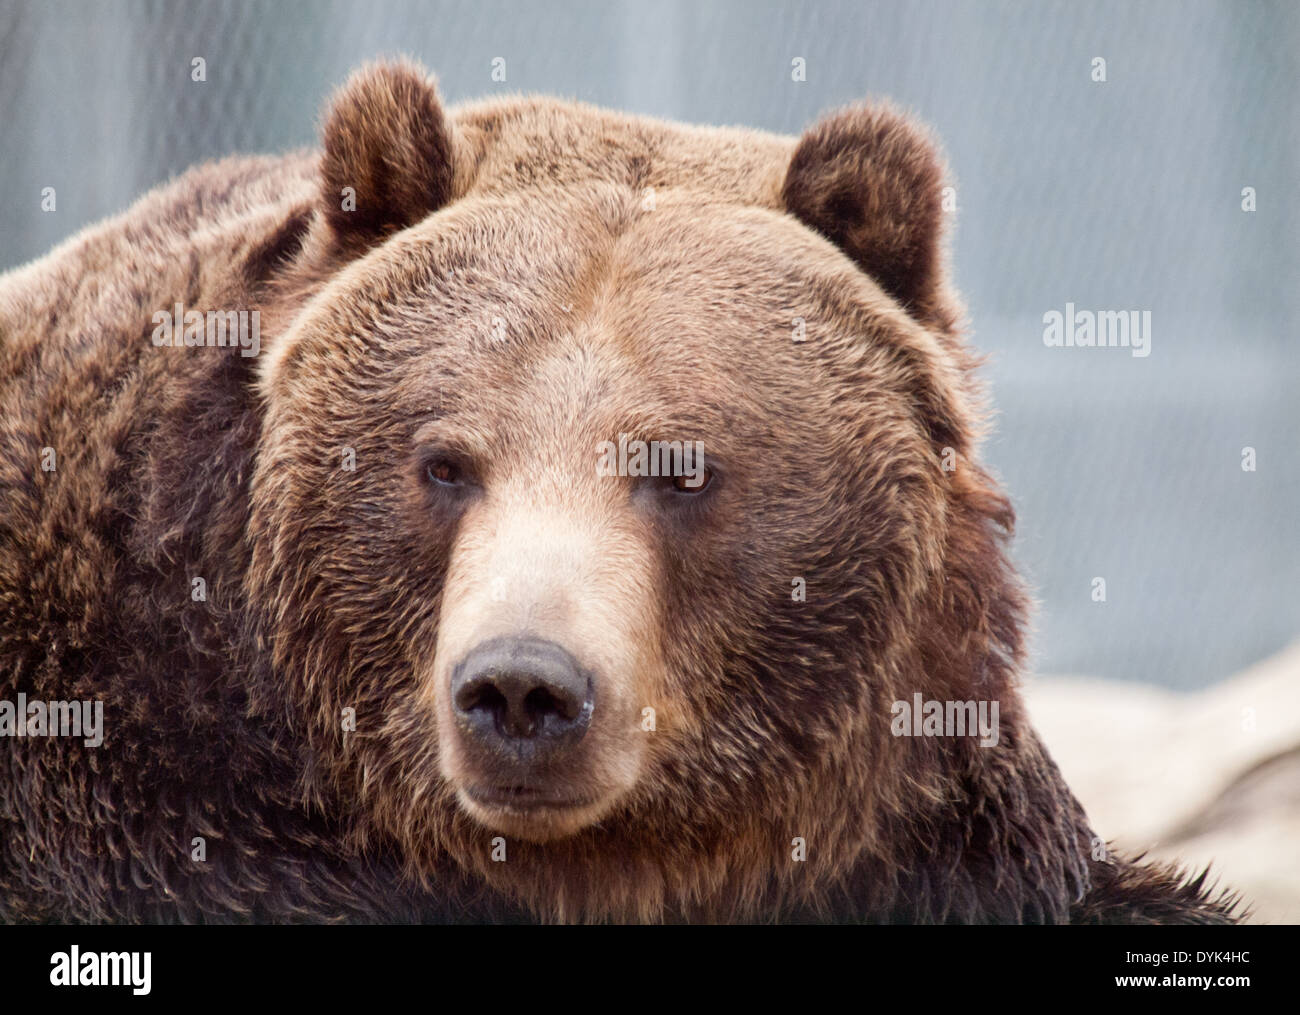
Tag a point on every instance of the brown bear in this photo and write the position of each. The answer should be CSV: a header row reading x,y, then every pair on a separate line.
x,y
521,512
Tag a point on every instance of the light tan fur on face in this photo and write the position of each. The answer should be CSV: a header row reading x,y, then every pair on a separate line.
x,y
556,559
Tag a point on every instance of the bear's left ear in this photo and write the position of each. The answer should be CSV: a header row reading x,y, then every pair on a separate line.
x,y
388,157
870,179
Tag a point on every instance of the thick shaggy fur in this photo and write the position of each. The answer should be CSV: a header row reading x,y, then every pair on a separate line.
x,y
643,275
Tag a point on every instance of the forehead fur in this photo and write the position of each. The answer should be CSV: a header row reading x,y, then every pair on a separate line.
x,y
697,303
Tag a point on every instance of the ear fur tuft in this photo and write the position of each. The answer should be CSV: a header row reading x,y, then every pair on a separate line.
x,y
386,137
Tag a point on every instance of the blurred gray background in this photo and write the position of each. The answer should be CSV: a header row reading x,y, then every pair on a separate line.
x,y
1117,195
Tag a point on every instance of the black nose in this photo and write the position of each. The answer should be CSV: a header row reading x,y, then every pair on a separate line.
x,y
522,696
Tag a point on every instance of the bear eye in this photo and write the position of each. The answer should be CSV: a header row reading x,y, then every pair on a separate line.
x,y
693,485
444,472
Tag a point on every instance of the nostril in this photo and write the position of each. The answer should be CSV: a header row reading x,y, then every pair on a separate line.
x,y
541,702
482,695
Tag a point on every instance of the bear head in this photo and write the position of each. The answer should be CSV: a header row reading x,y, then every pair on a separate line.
x,y
619,476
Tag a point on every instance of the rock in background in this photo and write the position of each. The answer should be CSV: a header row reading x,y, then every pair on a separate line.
x,y
1211,777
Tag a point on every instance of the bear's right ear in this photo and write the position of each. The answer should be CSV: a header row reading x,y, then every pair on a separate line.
x,y
388,157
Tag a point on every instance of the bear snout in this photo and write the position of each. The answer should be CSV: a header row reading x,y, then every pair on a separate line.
x,y
523,702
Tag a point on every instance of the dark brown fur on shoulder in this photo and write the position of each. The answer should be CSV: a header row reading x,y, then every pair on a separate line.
x,y
1133,892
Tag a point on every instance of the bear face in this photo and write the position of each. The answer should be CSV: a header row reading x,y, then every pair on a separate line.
x,y
616,669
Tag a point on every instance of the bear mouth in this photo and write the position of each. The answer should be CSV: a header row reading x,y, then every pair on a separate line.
x,y
523,799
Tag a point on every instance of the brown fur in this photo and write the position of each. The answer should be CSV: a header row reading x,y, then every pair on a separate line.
x,y
645,276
